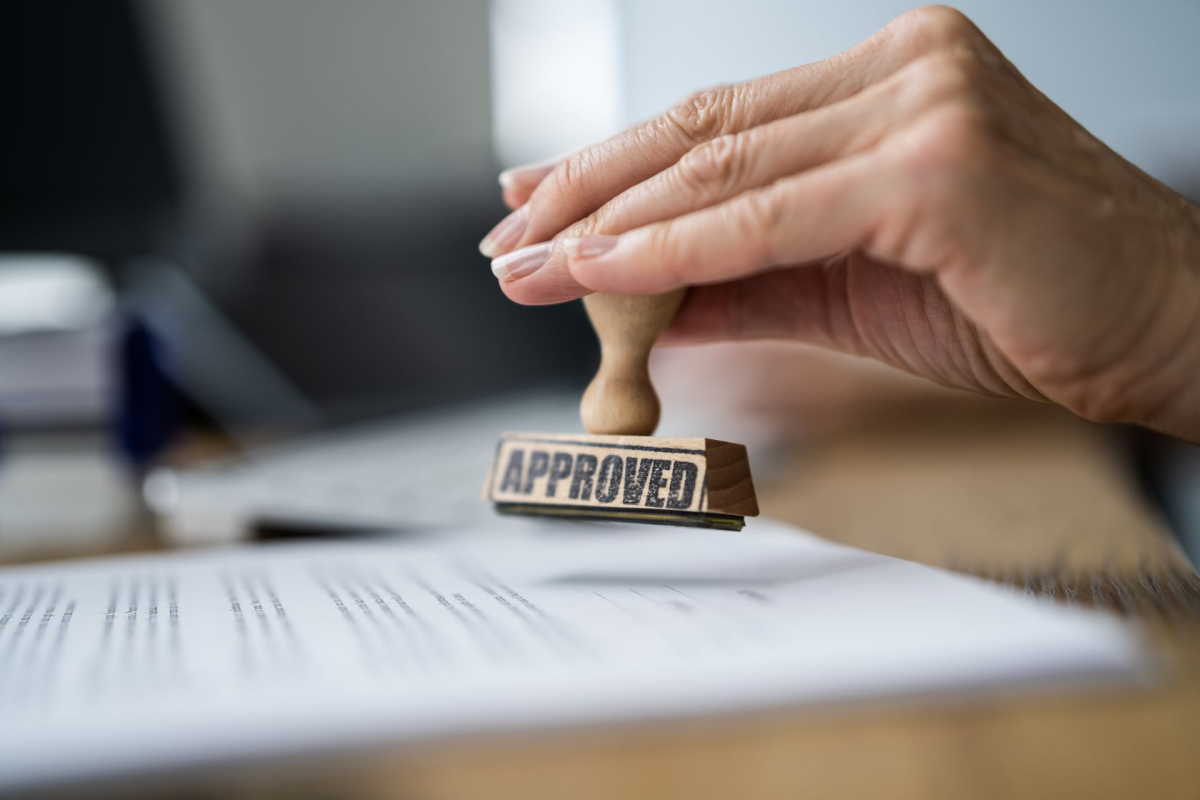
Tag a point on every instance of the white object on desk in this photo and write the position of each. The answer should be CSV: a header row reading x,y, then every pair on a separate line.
x,y
57,340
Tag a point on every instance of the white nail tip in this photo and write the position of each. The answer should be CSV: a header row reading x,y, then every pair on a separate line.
x,y
527,174
519,263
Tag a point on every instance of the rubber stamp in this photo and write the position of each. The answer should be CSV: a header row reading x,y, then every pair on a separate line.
x,y
618,469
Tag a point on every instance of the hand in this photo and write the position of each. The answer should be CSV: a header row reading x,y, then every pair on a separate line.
x,y
914,200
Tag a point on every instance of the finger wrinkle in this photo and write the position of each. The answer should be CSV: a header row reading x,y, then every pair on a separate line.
x,y
667,240
842,329
702,116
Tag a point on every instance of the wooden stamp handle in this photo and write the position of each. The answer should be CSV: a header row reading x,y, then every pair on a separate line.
x,y
621,399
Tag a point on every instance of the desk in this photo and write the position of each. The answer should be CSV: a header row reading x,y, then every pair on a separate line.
x,y
1013,492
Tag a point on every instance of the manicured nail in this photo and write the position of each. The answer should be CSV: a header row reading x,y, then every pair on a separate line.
x,y
520,263
527,175
506,234
589,246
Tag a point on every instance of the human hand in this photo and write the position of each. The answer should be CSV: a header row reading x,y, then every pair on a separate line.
x,y
914,200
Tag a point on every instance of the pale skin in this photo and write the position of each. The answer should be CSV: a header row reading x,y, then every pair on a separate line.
x,y
914,200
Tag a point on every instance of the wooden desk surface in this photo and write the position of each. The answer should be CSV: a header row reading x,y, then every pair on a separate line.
x,y
1012,492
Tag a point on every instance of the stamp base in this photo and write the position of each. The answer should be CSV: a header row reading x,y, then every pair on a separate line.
x,y
724,522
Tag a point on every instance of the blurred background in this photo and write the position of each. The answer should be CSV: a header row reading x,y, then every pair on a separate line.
x,y
256,218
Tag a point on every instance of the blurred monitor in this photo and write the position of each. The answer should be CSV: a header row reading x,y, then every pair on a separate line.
x,y
292,193
86,165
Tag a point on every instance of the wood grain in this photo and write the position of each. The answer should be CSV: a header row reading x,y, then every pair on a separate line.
x,y
730,487
1020,494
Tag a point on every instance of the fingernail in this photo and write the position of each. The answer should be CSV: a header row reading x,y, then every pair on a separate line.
x,y
527,175
589,246
506,234
520,263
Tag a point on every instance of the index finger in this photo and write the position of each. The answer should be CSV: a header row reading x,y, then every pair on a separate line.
x,y
800,219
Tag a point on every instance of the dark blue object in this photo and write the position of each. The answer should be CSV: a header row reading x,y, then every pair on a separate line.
x,y
148,411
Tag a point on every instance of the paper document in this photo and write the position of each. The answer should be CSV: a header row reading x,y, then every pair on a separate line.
x,y
114,666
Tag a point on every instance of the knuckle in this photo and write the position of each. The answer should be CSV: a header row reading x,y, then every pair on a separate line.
x,y
715,165
570,177
704,115
565,177
946,25
943,76
943,79
937,26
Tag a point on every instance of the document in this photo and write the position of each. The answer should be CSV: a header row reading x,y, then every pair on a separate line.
x,y
110,667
